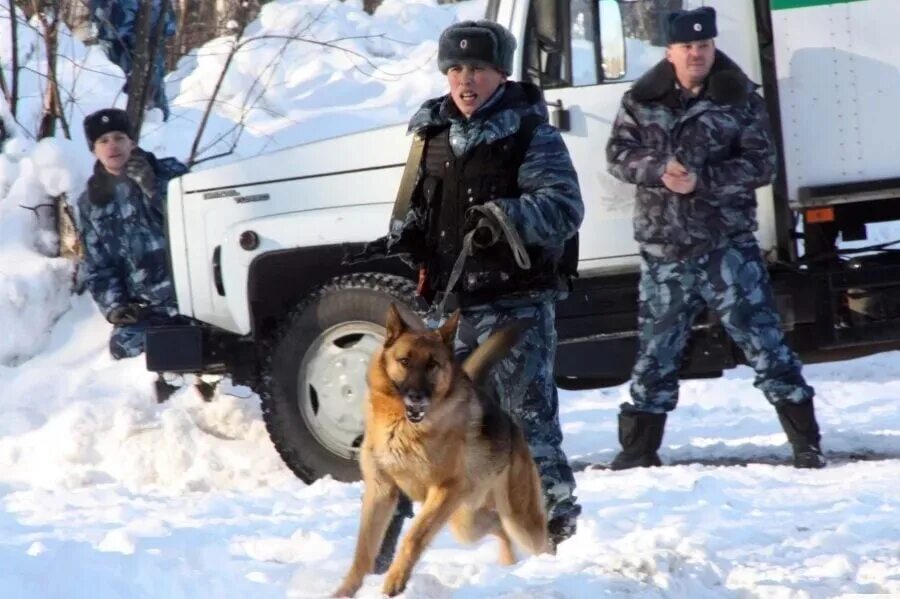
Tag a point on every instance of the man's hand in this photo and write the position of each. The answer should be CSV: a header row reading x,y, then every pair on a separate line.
x,y
679,179
681,185
675,168
124,315
487,231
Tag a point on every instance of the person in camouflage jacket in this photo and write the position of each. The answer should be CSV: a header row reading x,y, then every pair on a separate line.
x,y
121,224
116,23
693,135
496,205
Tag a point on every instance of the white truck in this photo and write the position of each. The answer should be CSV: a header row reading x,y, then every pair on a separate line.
x,y
256,246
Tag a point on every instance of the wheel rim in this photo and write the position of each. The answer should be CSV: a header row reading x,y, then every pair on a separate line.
x,y
332,385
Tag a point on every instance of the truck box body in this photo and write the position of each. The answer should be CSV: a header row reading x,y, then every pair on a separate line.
x,y
838,69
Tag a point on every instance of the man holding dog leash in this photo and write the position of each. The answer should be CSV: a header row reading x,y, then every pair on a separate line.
x,y
491,223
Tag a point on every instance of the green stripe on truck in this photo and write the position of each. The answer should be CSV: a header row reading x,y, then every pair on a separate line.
x,y
785,4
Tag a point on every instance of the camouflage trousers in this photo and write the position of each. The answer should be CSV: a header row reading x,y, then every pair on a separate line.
x,y
734,283
127,341
524,384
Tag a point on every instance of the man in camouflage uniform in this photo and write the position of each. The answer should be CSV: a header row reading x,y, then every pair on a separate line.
x,y
116,22
495,207
693,135
123,234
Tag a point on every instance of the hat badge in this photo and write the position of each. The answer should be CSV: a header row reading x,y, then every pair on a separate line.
x,y
104,119
463,44
698,27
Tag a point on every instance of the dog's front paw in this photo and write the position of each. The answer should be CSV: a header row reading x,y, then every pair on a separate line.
x,y
394,582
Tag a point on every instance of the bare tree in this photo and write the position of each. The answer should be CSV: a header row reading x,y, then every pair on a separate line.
x,y
242,22
11,91
371,5
76,14
148,36
202,20
259,85
197,24
48,16
642,19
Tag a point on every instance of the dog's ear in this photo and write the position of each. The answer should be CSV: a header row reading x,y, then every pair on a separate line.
x,y
448,330
395,326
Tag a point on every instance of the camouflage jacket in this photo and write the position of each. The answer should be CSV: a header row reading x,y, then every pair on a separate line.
x,y
549,209
116,19
122,229
722,135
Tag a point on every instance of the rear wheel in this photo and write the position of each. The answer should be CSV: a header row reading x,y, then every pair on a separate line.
x,y
314,383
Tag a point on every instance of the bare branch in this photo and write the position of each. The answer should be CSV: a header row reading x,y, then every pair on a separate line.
x,y
332,44
214,156
141,64
236,46
80,66
4,89
288,39
14,60
52,111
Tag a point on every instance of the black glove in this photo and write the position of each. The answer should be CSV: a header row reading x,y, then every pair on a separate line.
x,y
124,315
487,231
373,250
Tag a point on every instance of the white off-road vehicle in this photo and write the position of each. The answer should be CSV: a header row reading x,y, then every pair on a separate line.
x,y
257,246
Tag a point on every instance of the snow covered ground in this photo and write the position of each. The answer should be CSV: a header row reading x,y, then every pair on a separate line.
x,y
105,494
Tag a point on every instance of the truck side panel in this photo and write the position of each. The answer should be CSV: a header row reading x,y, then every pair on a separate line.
x,y
838,66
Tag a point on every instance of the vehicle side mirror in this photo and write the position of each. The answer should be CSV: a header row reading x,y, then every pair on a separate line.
x,y
560,116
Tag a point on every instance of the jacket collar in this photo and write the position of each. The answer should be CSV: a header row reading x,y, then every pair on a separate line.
x,y
726,83
518,96
102,185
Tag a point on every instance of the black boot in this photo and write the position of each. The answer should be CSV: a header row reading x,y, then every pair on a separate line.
x,y
206,390
389,544
563,521
799,423
559,529
640,434
163,388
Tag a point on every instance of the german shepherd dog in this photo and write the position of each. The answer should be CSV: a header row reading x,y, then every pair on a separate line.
x,y
431,434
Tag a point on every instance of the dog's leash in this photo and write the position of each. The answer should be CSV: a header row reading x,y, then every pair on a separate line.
x,y
456,271
523,260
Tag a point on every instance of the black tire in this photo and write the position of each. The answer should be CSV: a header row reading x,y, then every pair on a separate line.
x,y
327,318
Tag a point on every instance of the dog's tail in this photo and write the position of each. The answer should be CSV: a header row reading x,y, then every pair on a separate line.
x,y
521,504
494,349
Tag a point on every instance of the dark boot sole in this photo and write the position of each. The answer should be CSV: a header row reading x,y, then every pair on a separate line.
x,y
627,463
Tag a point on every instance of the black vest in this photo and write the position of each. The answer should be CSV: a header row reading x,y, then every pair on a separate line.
x,y
450,187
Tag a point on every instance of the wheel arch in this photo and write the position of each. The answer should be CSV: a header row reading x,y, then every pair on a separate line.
x,y
278,281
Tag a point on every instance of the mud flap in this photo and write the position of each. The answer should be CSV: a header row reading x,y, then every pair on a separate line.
x,y
174,349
